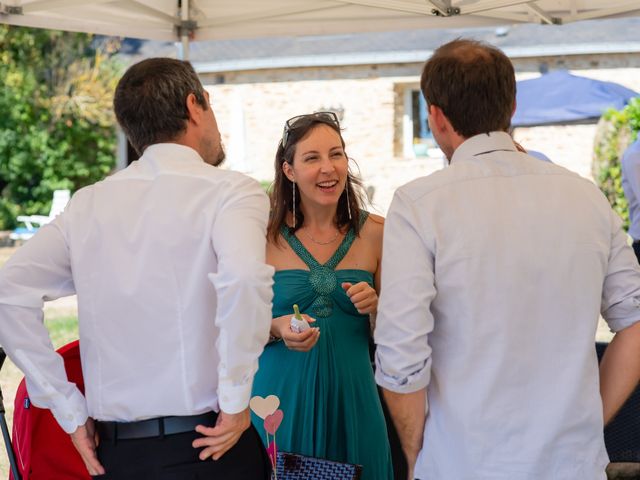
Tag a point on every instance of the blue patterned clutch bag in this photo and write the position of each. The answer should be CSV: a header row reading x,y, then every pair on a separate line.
x,y
291,466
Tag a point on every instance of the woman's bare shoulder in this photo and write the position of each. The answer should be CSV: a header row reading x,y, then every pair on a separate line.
x,y
373,230
277,251
374,225
281,256
376,219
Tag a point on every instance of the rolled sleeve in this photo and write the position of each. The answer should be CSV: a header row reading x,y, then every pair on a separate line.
x,y
403,354
621,289
243,286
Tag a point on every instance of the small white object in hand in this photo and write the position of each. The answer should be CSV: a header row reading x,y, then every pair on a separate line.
x,y
299,326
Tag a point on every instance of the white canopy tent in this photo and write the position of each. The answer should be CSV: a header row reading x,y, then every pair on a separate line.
x,y
193,20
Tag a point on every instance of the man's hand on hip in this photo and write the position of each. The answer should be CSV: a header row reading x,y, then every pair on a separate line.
x,y
85,439
219,439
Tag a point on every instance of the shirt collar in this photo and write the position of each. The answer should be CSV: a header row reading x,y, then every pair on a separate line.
x,y
483,143
169,154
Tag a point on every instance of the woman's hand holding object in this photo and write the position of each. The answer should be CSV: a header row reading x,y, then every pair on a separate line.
x,y
300,342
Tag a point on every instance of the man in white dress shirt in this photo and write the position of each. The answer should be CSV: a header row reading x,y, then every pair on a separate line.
x,y
494,273
174,297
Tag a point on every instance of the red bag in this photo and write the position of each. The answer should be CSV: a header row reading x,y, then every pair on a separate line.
x,y
43,450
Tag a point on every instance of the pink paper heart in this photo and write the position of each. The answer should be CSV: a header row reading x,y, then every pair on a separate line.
x,y
272,451
272,422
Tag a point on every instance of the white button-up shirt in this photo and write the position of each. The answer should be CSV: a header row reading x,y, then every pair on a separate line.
x,y
494,273
174,298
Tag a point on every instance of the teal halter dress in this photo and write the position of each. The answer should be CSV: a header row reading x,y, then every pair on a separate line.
x,y
328,394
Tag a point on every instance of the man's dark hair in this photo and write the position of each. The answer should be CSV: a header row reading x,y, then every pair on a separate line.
x,y
150,101
474,85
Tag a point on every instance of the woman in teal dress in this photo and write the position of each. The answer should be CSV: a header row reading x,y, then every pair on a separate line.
x,y
326,252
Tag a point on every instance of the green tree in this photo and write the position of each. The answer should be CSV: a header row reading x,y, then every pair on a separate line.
x,y
56,124
616,131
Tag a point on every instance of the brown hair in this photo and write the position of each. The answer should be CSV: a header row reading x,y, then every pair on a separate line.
x,y
473,83
281,192
150,101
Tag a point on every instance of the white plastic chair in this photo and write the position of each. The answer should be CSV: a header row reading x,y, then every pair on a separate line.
x,y
33,222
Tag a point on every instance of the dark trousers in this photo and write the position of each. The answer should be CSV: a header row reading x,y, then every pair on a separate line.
x,y
636,249
173,458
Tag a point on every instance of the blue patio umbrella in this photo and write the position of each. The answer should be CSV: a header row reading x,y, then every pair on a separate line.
x,y
560,97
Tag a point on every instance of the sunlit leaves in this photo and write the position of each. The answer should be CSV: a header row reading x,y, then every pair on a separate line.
x,y
616,131
56,122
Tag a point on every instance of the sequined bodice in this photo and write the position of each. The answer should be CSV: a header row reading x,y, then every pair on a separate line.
x,y
322,277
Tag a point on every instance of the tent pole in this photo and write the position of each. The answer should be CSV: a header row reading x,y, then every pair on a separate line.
x,y
184,32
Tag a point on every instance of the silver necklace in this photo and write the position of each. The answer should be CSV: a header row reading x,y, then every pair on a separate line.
x,y
335,237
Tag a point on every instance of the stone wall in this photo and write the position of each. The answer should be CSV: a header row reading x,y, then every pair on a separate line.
x,y
252,106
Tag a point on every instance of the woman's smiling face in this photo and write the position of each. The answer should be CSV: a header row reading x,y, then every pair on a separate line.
x,y
320,166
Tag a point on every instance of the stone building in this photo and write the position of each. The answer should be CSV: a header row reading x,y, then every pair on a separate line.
x,y
372,82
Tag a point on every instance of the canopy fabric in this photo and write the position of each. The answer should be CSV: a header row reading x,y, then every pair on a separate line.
x,y
224,19
560,97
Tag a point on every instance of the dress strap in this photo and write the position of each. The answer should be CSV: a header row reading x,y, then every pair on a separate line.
x,y
336,258
344,247
298,248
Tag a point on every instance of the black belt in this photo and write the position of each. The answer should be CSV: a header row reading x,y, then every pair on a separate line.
x,y
154,427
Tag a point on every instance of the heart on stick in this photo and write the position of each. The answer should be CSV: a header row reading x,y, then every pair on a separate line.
x,y
272,422
263,407
272,451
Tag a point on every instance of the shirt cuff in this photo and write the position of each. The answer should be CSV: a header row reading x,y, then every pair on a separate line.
x,y
234,398
623,314
409,384
622,323
72,415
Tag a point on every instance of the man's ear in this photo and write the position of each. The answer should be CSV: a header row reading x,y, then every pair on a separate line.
x,y
438,119
194,109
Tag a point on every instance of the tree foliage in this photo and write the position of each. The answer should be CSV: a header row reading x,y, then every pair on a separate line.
x,y
57,129
616,131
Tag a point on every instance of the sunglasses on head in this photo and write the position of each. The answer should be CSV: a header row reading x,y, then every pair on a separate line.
x,y
295,122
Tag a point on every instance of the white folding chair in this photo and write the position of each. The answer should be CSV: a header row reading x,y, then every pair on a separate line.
x,y
33,222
